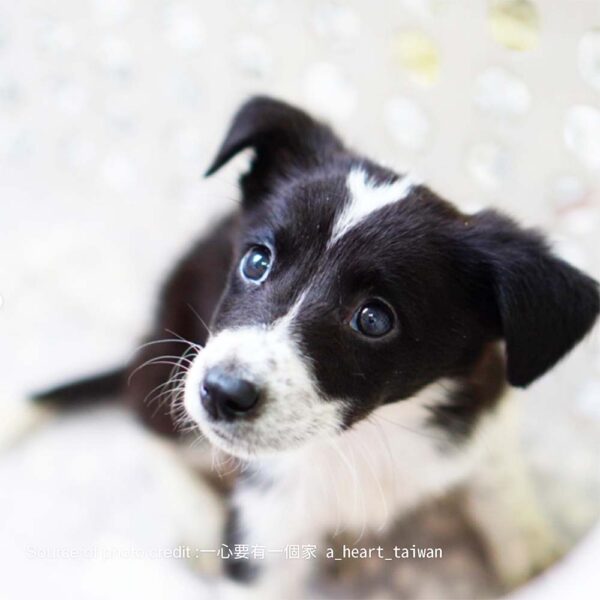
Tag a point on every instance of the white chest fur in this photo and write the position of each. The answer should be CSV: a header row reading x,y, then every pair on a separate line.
x,y
361,480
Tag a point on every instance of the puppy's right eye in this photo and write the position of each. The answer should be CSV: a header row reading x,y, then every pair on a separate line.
x,y
374,319
256,264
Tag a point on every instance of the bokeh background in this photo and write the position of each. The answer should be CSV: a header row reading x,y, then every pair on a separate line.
x,y
110,110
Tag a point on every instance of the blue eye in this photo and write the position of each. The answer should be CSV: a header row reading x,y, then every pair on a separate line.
x,y
373,319
256,264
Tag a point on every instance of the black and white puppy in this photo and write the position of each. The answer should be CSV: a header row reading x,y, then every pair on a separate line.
x,y
362,331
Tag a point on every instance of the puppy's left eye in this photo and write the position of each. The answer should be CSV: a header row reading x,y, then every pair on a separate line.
x,y
373,319
256,264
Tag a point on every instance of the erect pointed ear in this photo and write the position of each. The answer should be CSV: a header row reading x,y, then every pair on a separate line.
x,y
282,136
545,306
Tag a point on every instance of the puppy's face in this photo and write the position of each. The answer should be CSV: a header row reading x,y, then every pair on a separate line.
x,y
354,287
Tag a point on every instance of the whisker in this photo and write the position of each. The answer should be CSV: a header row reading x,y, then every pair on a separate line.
x,y
165,341
379,486
352,470
384,440
409,429
150,398
157,360
180,337
200,319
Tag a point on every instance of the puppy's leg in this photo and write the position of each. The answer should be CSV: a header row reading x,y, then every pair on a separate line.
x,y
274,521
502,502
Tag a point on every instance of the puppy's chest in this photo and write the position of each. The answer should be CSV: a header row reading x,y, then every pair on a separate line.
x,y
363,479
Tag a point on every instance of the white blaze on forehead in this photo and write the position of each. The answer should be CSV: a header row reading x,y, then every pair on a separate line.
x,y
366,197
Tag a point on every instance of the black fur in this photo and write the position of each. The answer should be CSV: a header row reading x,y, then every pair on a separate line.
x,y
285,140
457,282
545,306
96,387
237,568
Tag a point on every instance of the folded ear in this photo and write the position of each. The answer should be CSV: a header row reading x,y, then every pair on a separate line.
x,y
282,136
545,305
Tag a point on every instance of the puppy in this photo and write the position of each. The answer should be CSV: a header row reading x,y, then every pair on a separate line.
x,y
350,336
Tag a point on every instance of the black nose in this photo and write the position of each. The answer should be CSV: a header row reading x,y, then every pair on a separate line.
x,y
225,396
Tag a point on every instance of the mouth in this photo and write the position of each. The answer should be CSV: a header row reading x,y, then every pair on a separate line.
x,y
227,441
246,443
226,438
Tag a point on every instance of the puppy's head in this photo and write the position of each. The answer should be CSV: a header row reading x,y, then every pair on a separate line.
x,y
354,286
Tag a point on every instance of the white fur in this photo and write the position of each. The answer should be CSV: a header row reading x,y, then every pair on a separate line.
x,y
315,479
361,479
366,197
366,478
268,356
